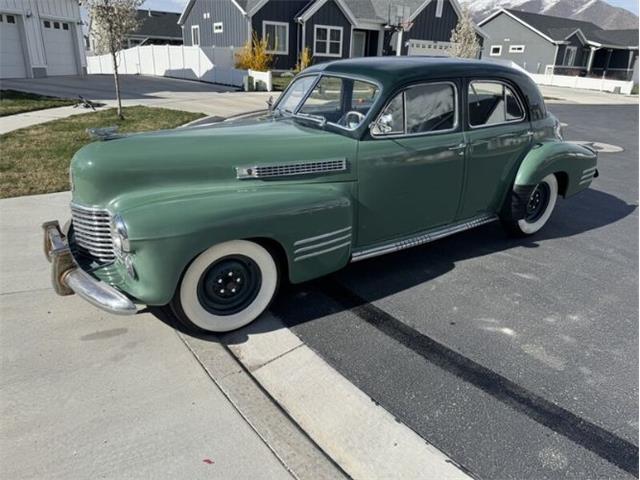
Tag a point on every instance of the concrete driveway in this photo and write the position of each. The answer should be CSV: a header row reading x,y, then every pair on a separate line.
x,y
163,92
84,394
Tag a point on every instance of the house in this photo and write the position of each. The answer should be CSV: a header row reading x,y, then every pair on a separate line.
x,y
330,29
572,47
39,39
154,28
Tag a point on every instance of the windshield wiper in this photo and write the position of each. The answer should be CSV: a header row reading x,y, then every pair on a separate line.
x,y
316,118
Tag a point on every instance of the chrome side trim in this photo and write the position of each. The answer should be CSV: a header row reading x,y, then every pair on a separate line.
x,y
589,170
291,169
321,252
423,238
319,237
322,244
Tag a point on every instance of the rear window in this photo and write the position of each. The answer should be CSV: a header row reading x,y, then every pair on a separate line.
x,y
492,103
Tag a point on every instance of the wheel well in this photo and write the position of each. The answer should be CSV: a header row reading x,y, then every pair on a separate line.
x,y
278,252
563,182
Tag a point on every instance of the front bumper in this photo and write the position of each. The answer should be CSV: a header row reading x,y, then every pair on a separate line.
x,y
68,278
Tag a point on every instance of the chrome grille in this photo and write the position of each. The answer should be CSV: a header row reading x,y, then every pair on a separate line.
x,y
92,232
288,169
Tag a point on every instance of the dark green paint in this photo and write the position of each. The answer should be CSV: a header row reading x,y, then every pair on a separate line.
x,y
178,193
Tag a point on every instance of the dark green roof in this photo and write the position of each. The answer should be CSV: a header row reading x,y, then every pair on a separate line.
x,y
390,71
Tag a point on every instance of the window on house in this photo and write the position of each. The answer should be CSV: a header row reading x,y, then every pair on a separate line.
x,y
327,41
65,26
516,48
218,27
195,35
496,50
56,25
492,103
47,24
277,35
570,56
11,19
1,18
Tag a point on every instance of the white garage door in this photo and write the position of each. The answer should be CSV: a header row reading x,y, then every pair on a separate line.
x,y
11,54
429,47
59,48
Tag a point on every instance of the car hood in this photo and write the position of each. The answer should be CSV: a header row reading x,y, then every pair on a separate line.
x,y
197,157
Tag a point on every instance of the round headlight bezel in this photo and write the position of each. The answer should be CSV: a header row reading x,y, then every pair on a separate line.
x,y
120,236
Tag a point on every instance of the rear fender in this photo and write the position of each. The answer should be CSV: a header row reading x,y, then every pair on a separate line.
x,y
573,163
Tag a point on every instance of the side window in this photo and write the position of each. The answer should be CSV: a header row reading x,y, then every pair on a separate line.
x,y
431,108
391,120
491,103
427,108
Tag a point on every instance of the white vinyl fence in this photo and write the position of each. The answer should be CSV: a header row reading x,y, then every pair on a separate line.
x,y
586,83
208,64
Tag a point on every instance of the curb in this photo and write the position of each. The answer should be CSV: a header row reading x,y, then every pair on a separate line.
x,y
360,436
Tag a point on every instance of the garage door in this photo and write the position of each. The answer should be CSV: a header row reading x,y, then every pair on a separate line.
x,y
11,54
429,47
59,48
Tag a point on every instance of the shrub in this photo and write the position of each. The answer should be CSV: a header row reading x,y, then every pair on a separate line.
x,y
305,60
254,55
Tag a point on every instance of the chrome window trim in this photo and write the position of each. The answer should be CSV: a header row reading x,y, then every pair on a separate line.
x,y
456,123
506,122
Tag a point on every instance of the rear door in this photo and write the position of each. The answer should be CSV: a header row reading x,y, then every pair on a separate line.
x,y
498,134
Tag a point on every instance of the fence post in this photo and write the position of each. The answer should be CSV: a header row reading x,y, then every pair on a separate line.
x,y
153,60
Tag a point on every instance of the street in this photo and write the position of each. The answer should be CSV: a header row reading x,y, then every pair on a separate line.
x,y
517,358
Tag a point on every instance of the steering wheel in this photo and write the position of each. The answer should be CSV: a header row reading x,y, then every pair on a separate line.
x,y
353,113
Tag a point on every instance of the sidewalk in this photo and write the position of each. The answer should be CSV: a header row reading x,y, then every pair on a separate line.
x,y
91,395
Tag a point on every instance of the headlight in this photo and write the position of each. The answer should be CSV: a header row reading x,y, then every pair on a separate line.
x,y
558,130
120,236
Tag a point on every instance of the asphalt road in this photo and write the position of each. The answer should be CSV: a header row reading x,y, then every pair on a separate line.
x,y
517,358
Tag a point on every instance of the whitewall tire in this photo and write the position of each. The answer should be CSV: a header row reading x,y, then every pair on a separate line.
x,y
539,207
226,287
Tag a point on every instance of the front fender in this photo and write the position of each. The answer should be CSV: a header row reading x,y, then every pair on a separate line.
x,y
573,161
303,219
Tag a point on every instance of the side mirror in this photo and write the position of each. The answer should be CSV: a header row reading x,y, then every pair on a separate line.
x,y
382,126
270,103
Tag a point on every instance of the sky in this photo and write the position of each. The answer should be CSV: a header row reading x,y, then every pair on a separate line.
x,y
178,5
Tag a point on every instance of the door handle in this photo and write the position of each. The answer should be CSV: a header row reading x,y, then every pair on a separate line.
x,y
460,148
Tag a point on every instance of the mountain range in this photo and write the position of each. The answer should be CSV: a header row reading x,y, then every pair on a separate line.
x,y
596,11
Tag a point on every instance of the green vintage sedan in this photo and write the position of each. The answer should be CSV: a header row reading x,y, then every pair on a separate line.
x,y
357,158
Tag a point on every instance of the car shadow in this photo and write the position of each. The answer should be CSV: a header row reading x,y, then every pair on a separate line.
x,y
396,272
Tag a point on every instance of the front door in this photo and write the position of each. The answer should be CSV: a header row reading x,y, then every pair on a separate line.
x,y
359,43
410,171
499,135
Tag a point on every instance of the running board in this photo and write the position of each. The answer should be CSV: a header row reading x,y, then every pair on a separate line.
x,y
423,238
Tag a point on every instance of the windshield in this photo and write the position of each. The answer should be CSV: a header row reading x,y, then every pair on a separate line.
x,y
344,102
295,93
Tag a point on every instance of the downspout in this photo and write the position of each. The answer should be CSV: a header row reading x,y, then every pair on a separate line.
x,y
399,42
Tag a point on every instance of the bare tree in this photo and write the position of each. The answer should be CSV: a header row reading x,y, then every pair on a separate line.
x,y
464,38
111,21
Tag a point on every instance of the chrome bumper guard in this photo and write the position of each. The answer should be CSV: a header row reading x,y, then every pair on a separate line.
x,y
68,278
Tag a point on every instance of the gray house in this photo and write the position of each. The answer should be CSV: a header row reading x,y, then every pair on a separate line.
x,y
571,47
330,29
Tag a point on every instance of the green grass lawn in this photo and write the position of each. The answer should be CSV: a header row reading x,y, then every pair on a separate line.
x,y
12,102
36,159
